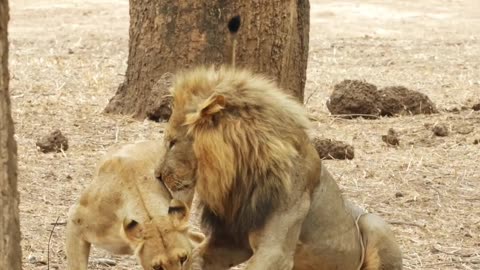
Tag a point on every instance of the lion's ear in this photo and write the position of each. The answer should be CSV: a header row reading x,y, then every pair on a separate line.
x,y
196,238
133,230
178,210
211,106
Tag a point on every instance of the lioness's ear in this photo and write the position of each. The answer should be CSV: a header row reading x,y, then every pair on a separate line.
x,y
211,106
178,210
132,229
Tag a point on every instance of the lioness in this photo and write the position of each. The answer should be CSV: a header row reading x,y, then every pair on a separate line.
x,y
125,211
265,195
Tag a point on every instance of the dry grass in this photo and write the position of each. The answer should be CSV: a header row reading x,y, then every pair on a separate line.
x,y
68,57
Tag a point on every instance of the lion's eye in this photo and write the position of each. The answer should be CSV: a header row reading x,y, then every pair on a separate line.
x,y
172,143
183,259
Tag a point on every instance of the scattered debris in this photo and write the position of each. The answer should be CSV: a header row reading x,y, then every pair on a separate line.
x,y
53,142
440,130
331,149
159,107
391,138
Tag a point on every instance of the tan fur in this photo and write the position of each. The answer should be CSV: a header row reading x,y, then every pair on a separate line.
x,y
372,259
259,179
125,210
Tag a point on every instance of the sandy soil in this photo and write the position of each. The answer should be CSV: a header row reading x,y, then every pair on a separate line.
x,y
68,57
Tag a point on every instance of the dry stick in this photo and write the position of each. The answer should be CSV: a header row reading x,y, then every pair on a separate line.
x,y
406,223
63,152
355,114
48,246
345,116
310,96
116,132
59,223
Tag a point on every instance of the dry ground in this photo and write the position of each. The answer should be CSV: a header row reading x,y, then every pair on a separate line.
x,y
68,56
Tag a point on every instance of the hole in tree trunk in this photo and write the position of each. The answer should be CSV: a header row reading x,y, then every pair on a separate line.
x,y
234,24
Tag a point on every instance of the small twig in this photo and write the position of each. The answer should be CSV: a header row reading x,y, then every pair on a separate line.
x,y
63,152
456,252
344,116
355,114
17,96
406,223
59,223
105,262
311,94
48,246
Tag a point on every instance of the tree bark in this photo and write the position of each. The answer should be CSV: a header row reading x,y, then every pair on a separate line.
x,y
169,35
10,251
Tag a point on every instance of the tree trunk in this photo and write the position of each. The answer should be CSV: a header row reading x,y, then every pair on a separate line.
x,y
10,251
168,35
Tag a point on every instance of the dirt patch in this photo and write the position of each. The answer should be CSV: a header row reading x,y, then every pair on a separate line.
x,y
332,149
53,142
399,100
391,138
354,98
440,130
159,106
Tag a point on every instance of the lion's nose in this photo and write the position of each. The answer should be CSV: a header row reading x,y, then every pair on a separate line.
x,y
159,177
158,174
157,267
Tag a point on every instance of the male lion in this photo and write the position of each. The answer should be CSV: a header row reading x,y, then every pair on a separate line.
x,y
265,195
125,210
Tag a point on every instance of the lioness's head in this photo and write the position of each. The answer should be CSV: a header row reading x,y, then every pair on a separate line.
x,y
163,243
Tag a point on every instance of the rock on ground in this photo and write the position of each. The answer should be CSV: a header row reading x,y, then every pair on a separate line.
x,y
391,138
332,149
353,97
53,142
399,100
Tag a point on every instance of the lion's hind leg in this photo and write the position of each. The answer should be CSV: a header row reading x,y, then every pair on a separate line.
x,y
381,250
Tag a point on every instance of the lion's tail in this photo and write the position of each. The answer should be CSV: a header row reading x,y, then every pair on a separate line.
x,y
372,259
381,252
